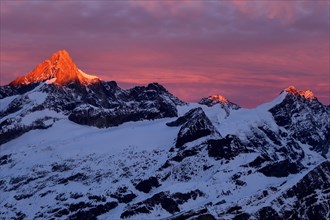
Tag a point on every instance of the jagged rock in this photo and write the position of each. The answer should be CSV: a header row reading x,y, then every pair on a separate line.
x,y
268,213
276,145
200,214
5,159
124,198
273,136
100,168
167,201
281,168
123,195
8,90
305,118
195,124
146,185
12,129
225,148
242,216
184,154
100,117
224,103
259,161
76,177
192,114
94,212
309,198
58,85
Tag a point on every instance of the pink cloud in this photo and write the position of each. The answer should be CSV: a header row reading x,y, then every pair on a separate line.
x,y
173,8
196,49
286,11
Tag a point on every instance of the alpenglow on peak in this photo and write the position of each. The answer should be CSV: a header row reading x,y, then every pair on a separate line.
x,y
307,94
59,67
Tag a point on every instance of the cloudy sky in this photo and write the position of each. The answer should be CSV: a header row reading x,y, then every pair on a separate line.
x,y
247,51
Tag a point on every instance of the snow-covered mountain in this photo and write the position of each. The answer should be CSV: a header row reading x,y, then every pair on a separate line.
x,y
48,94
76,147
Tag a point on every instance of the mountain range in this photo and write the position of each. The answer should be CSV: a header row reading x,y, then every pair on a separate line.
x,y
76,147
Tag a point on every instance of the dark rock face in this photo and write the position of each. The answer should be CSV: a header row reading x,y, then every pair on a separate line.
x,y
101,104
81,210
10,132
123,195
259,161
199,214
124,198
274,145
146,185
281,168
225,148
76,177
309,204
5,159
139,103
192,114
169,202
306,119
184,154
309,198
8,90
268,213
194,125
242,216
93,212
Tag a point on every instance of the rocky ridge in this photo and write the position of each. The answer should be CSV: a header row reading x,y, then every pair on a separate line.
x,y
82,99
156,156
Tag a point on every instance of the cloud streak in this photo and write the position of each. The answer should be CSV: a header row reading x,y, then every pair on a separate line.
x,y
237,48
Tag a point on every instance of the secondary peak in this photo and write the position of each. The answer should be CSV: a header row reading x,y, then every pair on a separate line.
x,y
216,99
307,94
219,98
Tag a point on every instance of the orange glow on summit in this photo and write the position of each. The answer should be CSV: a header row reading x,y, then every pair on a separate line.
x,y
59,67
219,98
307,94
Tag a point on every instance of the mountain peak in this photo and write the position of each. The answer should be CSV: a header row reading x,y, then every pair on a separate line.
x,y
291,89
215,99
219,98
60,55
307,94
59,67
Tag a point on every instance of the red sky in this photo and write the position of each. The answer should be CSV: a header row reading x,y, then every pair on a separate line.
x,y
247,51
